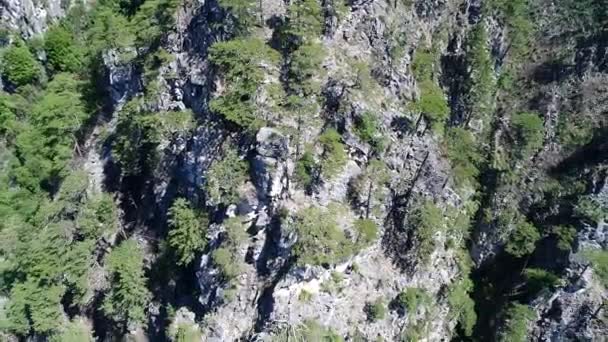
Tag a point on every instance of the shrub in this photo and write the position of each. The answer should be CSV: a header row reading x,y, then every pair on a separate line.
x,y
375,310
320,240
19,66
187,234
517,317
224,178
529,132
522,240
305,296
334,156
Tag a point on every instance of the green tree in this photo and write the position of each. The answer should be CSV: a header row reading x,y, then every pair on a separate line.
x,y
529,132
517,317
599,261
98,217
426,219
227,256
305,19
538,279
461,150
367,231
522,240
137,135
411,300
46,145
320,240
63,53
334,156
239,61
128,297
187,234
19,66
244,11
76,330
367,128
375,310
224,178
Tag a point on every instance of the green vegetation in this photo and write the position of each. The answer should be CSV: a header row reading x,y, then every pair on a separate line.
x,y
224,178
334,156
136,137
375,310
367,129
128,297
305,19
599,261
590,209
461,150
320,240
306,169
305,296
304,67
517,317
98,217
227,256
574,130
481,82
61,50
538,279
462,306
369,186
565,237
522,240
426,220
308,331
45,145
411,300
367,231
19,66
529,132
187,234
432,104
239,62
518,20
244,11
75,331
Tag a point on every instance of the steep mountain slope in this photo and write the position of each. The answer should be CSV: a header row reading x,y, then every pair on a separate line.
x,y
305,170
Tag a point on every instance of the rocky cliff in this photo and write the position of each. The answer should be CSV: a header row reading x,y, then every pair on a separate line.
x,y
424,97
